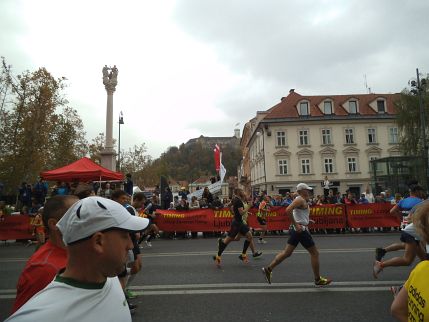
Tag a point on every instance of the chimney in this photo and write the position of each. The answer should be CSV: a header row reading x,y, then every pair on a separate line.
x,y
292,90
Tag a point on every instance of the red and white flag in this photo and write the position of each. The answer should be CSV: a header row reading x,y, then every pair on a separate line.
x,y
217,158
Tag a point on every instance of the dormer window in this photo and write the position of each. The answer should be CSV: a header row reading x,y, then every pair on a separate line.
x,y
327,107
353,107
303,108
381,107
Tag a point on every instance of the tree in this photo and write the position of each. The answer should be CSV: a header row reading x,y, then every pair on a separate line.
x,y
38,129
409,120
135,159
189,162
95,147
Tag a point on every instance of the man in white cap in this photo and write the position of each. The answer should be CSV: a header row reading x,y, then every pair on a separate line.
x,y
299,214
96,233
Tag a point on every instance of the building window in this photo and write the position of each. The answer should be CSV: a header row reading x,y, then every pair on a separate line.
x,y
381,108
353,107
327,107
371,136
326,136
349,136
351,164
281,138
303,137
372,166
393,135
303,108
328,165
305,166
283,167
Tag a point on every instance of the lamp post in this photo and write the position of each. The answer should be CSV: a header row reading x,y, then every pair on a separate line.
x,y
417,88
120,122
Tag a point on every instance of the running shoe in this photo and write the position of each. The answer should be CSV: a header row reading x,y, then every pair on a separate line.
x,y
243,258
376,269
262,241
217,260
267,273
148,243
256,254
322,281
379,254
129,294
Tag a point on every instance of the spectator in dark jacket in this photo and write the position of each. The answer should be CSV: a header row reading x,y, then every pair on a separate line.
x,y
167,198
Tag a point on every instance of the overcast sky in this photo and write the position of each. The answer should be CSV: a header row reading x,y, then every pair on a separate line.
x,y
197,67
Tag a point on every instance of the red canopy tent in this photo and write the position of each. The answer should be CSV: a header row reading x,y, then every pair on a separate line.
x,y
81,170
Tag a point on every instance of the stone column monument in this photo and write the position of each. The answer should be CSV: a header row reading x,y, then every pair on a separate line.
x,y
108,154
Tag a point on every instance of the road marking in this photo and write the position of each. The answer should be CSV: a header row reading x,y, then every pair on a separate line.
x,y
245,288
239,285
264,290
265,251
208,253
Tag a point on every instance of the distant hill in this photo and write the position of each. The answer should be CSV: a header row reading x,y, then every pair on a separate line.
x,y
191,160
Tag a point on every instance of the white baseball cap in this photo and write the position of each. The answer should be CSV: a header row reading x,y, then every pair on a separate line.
x,y
93,214
303,186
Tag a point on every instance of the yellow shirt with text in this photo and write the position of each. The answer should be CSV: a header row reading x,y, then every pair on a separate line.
x,y
417,287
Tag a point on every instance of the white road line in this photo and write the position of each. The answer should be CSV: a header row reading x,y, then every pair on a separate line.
x,y
208,253
265,290
252,290
250,285
244,288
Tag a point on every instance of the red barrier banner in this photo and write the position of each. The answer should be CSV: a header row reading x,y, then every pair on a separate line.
x,y
276,219
371,215
208,220
16,227
328,216
215,220
188,220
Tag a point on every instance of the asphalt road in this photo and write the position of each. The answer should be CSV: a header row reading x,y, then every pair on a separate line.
x,y
179,281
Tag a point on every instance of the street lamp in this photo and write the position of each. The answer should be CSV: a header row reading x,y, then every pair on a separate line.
x,y
120,122
418,86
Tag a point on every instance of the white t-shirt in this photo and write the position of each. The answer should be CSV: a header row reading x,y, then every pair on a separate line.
x,y
68,300
301,216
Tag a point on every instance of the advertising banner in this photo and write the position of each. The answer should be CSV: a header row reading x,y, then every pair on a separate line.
x,y
371,215
328,216
209,220
16,227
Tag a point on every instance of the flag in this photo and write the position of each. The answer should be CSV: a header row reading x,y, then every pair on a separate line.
x,y
217,158
222,172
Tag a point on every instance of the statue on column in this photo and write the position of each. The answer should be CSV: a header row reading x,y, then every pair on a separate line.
x,y
110,77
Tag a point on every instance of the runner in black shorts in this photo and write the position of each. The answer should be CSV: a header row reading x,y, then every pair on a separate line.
x,y
299,214
238,227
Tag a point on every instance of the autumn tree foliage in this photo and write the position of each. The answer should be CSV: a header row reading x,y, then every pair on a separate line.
x,y
409,119
38,129
189,162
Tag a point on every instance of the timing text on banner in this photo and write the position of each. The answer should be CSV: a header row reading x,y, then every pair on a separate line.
x,y
371,215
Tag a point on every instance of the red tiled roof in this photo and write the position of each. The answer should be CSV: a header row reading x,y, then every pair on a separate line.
x,y
288,107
